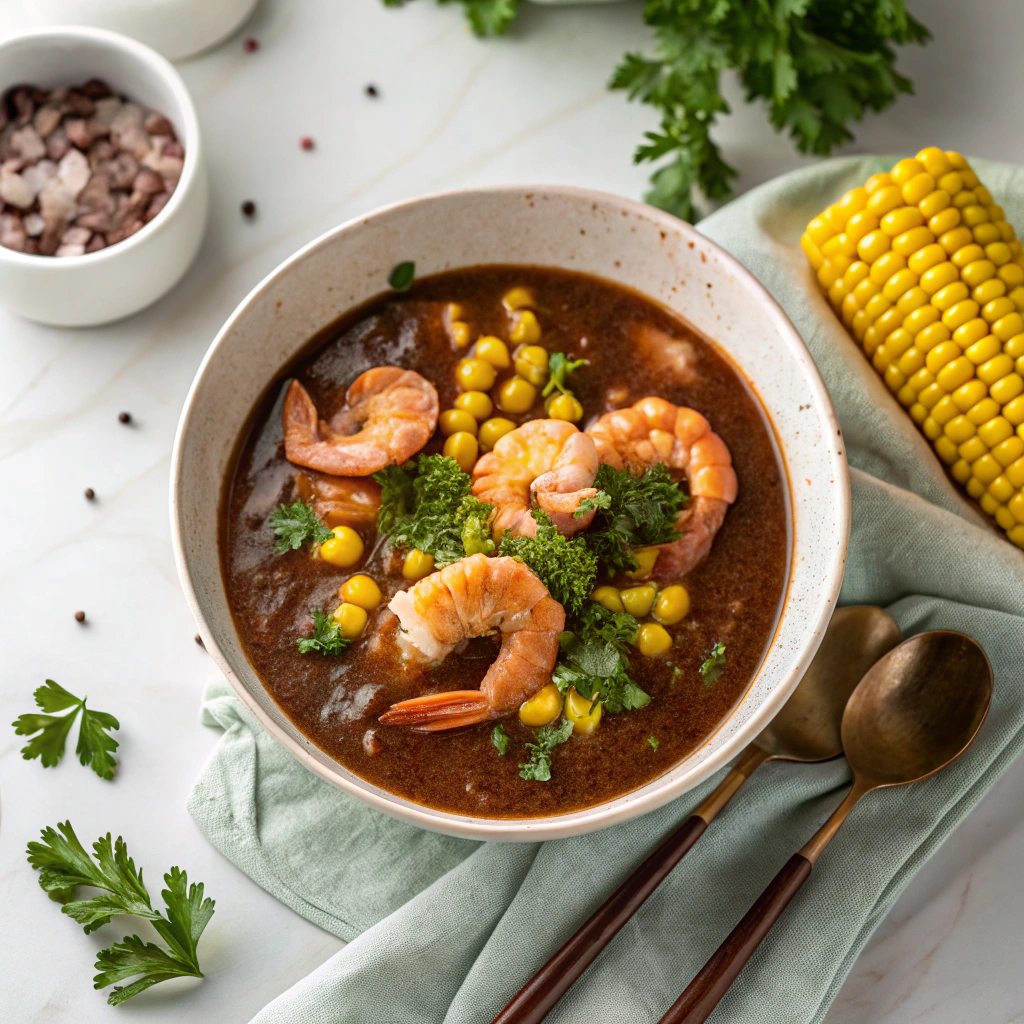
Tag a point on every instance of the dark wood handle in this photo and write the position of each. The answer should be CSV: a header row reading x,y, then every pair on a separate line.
x,y
704,992
553,980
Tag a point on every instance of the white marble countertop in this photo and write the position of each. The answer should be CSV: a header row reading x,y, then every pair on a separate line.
x,y
452,111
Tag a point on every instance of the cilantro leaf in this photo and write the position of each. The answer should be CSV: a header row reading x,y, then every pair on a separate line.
x,y
653,740
566,566
538,768
559,367
500,739
714,664
487,17
402,276
295,525
327,637
426,504
95,747
64,865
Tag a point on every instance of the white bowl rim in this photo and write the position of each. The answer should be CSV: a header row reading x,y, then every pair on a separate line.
x,y
616,810
166,71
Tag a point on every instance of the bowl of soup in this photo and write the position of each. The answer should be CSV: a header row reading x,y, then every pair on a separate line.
x,y
515,513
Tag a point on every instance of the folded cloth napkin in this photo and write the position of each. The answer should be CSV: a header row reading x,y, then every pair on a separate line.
x,y
448,930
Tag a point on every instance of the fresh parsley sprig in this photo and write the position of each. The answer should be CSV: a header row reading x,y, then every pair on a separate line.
x,y
714,664
296,524
327,637
95,747
500,739
538,768
559,367
64,865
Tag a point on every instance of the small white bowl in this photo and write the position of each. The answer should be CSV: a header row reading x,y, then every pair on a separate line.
x,y
80,291
554,226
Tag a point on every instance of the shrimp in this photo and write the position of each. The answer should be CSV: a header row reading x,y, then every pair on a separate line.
x,y
340,500
388,417
472,597
547,459
653,430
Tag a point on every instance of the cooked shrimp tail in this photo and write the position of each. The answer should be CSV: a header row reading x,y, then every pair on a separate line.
x,y
436,711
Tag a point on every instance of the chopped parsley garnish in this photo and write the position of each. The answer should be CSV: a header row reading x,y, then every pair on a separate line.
x,y
500,739
566,566
401,277
559,367
538,768
327,637
714,664
427,504
632,511
64,865
653,740
95,747
296,524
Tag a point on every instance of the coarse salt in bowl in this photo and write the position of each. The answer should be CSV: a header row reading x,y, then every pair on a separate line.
x,y
127,276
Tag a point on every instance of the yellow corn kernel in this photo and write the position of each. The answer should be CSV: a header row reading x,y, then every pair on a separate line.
x,y
960,429
988,290
838,245
638,600
531,363
910,241
1009,451
1012,274
877,181
461,334
858,226
994,369
897,343
351,619
918,413
477,403
873,245
811,251
1002,490
876,306
944,221
494,351
983,194
345,548
960,313
917,188
835,218
944,410
966,255
988,504
951,182
584,714
998,308
956,239
897,221
910,362
1008,327
971,332
417,564
542,708
900,282
939,276
978,271
921,318
942,354
961,471
1005,518
564,407
526,329
1007,388
851,203
361,590
463,447
865,291
949,296
894,380
672,605
934,161
973,448
454,420
926,258
931,336
931,395
653,639
997,429
974,215
1016,507
956,372
885,266
931,429
608,597
516,396
475,375
884,199
964,198
1015,473
921,380
998,253
946,450
646,557
914,299
906,170
522,298
492,430
1013,346
983,411
986,233
985,470
969,394
975,488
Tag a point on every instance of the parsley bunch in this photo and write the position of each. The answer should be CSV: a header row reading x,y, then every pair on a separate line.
x,y
427,504
295,525
327,637
95,747
817,64
64,865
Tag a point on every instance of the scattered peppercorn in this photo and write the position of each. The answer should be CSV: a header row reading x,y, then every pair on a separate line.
x,y
124,417
79,616
249,208
306,142
250,45
199,640
372,91
90,493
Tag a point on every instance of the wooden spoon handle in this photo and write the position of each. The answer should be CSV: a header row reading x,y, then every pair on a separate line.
x,y
553,980
704,992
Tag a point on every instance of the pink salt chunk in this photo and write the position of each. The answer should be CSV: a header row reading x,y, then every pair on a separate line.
x,y
27,144
34,225
15,190
70,250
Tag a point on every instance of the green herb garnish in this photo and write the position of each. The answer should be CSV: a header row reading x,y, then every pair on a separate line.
x,y
565,565
538,768
559,367
327,637
401,277
296,524
631,511
427,504
500,739
653,740
64,865
714,664
95,746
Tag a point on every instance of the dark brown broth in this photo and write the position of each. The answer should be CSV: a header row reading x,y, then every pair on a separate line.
x,y
735,594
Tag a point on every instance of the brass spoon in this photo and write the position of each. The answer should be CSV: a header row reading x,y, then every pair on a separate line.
x,y
806,729
914,713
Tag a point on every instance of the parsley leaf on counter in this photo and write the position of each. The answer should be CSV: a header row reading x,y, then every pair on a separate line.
x,y
427,505
500,739
95,746
538,768
327,637
566,566
295,525
714,664
559,367
485,17
632,511
64,865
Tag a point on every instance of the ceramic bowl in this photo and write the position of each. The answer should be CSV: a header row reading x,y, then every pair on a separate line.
x,y
79,291
627,242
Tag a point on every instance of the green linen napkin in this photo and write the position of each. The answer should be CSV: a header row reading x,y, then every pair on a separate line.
x,y
448,930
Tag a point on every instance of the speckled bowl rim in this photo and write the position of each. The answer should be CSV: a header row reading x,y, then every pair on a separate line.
x,y
669,785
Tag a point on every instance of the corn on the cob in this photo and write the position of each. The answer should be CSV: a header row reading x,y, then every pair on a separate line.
x,y
928,276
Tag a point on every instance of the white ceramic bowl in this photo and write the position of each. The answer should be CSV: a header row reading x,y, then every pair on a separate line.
x,y
599,234
79,291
